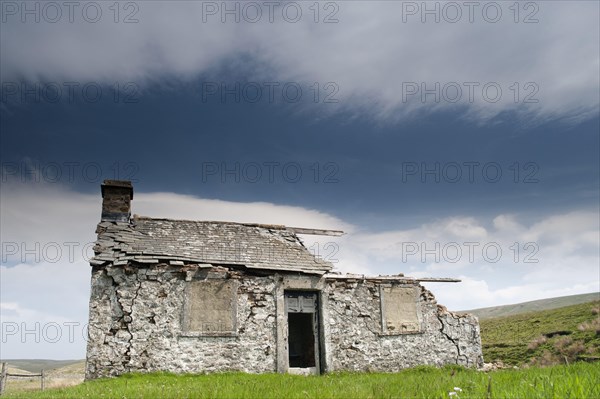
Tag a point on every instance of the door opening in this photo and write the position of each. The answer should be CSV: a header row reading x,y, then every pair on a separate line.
x,y
301,340
303,331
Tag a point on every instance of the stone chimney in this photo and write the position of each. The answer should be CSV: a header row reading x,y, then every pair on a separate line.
x,y
116,200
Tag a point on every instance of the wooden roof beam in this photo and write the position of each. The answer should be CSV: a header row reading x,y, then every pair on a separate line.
x,y
318,232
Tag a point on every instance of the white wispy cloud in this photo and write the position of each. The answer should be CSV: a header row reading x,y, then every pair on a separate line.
x,y
500,261
377,53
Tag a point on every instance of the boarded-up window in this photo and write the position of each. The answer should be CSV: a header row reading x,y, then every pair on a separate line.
x,y
399,310
210,307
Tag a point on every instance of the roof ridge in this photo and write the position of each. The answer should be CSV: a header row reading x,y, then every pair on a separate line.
x,y
263,225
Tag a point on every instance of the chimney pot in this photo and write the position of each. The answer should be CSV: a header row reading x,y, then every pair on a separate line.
x,y
116,200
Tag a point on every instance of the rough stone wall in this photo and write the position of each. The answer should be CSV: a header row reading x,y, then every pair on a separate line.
x,y
136,316
136,324
355,340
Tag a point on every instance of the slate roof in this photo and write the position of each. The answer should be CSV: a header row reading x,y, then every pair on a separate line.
x,y
147,240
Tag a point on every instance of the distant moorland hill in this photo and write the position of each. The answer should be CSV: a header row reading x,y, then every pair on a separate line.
x,y
532,306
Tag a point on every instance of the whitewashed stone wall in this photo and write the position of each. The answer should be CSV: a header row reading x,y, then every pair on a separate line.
x,y
136,325
357,343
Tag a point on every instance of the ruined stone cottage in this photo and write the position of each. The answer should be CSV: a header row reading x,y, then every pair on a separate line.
x,y
200,296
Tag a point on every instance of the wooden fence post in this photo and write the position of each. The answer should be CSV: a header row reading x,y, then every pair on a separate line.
x,y
42,378
3,377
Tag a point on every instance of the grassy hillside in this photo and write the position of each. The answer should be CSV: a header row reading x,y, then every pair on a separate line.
x,y
68,375
35,365
575,381
545,337
533,306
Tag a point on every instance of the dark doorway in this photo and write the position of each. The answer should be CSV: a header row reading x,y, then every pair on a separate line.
x,y
301,340
303,329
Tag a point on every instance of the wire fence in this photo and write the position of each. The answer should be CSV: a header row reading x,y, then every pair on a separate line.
x,y
4,374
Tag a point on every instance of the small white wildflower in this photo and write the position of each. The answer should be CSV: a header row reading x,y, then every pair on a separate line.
x,y
451,393
457,389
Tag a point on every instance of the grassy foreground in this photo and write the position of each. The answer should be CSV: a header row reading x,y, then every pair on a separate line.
x,y
574,381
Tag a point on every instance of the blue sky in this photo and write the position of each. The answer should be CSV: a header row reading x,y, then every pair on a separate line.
x,y
414,135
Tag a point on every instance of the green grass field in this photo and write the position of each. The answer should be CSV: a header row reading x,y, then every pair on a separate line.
x,y
574,381
545,337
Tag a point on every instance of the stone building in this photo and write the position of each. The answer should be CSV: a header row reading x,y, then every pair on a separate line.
x,y
199,296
